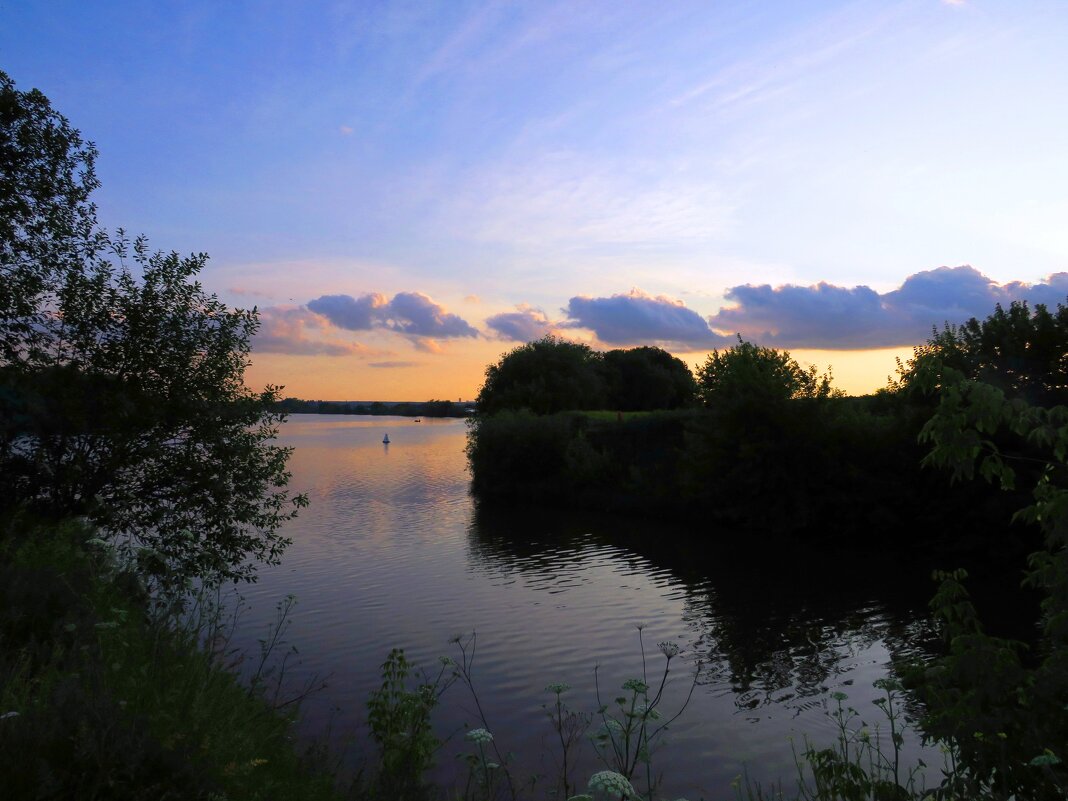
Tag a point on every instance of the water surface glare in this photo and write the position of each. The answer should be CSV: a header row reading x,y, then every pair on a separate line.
x,y
392,552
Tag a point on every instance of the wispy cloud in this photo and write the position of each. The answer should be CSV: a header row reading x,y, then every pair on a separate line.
x,y
392,365
285,329
566,198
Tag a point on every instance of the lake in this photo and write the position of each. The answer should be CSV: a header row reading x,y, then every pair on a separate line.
x,y
394,552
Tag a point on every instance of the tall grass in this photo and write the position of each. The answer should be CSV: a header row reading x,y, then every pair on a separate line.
x,y
100,699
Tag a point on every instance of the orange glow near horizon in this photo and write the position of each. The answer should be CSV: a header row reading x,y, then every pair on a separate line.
x,y
459,373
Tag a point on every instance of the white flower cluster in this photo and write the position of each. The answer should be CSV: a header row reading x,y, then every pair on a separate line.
x,y
611,783
479,736
636,685
646,711
668,649
557,687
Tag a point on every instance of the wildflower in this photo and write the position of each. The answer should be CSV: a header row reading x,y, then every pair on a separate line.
x,y
646,711
479,736
839,696
668,649
636,685
611,783
447,661
557,687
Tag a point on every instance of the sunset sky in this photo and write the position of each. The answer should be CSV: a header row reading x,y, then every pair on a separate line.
x,y
408,190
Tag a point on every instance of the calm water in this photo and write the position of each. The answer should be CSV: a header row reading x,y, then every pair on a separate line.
x,y
393,552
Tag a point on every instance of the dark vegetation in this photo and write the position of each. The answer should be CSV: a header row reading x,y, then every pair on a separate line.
x,y
773,448
759,441
553,375
137,472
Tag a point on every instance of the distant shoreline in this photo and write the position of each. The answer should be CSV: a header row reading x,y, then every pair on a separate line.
x,y
431,408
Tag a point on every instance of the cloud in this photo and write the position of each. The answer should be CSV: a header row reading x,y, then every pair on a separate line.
x,y
392,365
427,345
835,317
569,199
240,290
640,319
416,314
345,311
284,329
345,130
410,313
523,325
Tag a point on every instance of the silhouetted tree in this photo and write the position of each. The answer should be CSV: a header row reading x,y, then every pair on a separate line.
x,y
646,378
121,380
752,374
1023,353
546,376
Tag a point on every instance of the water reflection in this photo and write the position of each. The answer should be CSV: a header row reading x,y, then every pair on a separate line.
x,y
778,626
393,552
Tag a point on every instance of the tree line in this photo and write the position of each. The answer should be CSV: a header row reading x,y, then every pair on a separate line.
x,y
553,375
430,408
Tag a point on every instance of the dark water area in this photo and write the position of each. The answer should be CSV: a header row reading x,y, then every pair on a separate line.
x,y
394,552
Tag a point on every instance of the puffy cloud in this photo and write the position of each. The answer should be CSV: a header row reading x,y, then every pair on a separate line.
x,y
411,313
828,316
640,319
284,329
416,314
525,324
355,314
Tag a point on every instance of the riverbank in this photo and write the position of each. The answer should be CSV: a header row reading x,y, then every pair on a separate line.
x,y
104,695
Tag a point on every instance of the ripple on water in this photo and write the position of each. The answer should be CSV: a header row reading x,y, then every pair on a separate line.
x,y
392,553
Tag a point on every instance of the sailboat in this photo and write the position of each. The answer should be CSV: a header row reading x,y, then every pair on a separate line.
x,y
385,439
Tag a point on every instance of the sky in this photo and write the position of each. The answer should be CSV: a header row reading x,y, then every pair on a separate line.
x,y
407,191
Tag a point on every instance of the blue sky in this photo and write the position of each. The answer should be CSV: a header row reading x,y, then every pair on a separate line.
x,y
471,173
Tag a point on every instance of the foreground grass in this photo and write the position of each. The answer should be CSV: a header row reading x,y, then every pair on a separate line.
x,y
99,701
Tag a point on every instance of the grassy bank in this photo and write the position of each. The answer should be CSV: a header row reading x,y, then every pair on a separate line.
x,y
102,697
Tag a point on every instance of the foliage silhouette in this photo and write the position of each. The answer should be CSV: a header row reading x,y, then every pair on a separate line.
x,y
545,376
121,380
746,373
